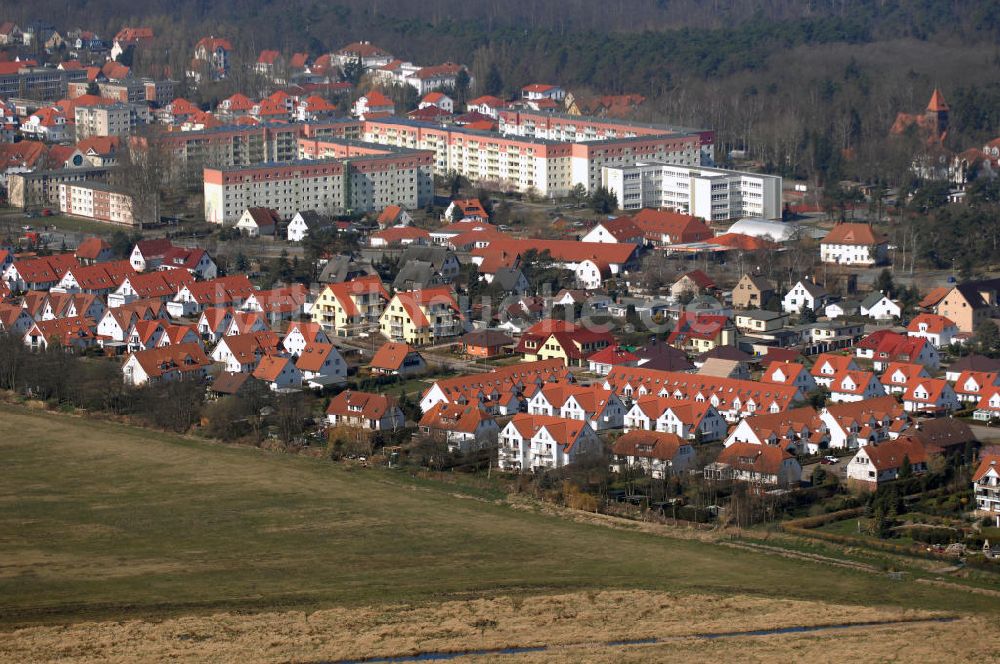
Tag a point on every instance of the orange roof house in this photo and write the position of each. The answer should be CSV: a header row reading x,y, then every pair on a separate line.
x,y
422,316
397,359
663,227
377,412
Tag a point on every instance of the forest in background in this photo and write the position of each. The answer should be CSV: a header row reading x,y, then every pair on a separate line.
x,y
809,89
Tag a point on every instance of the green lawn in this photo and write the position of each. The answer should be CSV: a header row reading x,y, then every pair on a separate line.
x,y
98,520
75,224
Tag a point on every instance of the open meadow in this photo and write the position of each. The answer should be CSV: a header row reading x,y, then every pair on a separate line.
x,y
102,522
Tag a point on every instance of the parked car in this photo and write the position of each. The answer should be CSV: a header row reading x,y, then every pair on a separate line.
x,y
829,460
46,212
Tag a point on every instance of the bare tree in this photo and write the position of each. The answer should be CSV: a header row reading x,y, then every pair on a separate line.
x,y
146,170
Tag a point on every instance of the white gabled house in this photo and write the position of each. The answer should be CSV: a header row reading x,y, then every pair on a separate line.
x,y
879,307
789,374
850,386
690,420
543,442
600,408
930,395
938,330
805,295
299,335
465,427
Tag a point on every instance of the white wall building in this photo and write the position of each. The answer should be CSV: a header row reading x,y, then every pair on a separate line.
x,y
713,194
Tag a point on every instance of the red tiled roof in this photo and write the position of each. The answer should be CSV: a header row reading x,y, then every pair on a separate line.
x,y
933,297
648,444
613,355
182,357
464,418
362,49
853,234
564,432
937,103
890,454
412,301
935,324
268,57
365,404
986,463
365,285
742,242
399,233
764,459
212,43
100,145
680,227
270,367
92,248
390,356
376,99
313,356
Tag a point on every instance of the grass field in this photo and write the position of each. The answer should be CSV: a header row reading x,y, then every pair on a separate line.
x,y
65,223
102,521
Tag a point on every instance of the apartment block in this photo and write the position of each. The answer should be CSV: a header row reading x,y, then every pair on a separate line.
x,y
713,194
97,201
39,188
109,120
39,82
362,183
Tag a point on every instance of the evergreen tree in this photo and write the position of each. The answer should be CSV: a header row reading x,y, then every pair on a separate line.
x,y
603,200
493,85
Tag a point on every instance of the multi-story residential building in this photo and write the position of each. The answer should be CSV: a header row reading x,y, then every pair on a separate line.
x,y
712,194
543,442
244,145
29,82
422,317
42,187
369,55
359,184
971,303
97,201
109,120
422,79
524,161
986,484
351,307
128,90
564,128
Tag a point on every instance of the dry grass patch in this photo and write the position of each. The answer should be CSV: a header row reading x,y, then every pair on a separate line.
x,y
564,621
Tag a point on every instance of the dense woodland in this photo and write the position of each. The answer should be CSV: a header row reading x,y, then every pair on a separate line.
x,y
807,88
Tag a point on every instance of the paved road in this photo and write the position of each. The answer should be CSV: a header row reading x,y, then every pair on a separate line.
x,y
367,348
839,468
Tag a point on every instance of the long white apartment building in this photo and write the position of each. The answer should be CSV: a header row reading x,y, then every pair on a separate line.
x,y
330,185
713,194
549,167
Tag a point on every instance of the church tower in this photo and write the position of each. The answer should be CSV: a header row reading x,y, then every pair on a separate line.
x,y
937,113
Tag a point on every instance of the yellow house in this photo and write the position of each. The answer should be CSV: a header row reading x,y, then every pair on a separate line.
x,y
422,317
347,308
558,339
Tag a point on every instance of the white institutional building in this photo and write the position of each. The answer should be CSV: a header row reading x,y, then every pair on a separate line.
x,y
713,194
